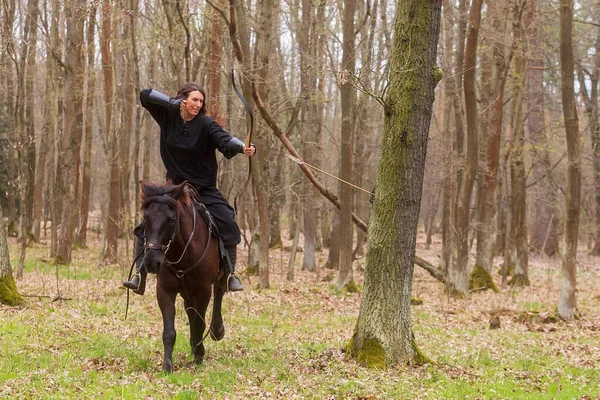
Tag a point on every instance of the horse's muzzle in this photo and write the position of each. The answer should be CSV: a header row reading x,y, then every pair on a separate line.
x,y
153,260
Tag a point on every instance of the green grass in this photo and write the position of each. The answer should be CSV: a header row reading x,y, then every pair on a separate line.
x,y
284,344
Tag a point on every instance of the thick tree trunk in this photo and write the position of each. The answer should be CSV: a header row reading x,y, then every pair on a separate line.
x,y
567,301
383,335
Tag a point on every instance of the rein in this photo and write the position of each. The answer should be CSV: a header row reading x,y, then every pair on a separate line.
x,y
179,273
139,254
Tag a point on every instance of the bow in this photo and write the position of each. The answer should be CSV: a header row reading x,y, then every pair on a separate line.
x,y
248,138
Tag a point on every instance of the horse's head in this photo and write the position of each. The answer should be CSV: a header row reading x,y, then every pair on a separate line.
x,y
162,206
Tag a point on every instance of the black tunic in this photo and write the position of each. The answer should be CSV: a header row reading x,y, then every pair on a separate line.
x,y
187,150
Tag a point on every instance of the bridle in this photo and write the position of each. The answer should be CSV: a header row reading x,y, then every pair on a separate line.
x,y
180,273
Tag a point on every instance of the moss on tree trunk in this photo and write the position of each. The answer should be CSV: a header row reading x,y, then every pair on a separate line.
x,y
9,294
372,354
481,279
383,336
519,280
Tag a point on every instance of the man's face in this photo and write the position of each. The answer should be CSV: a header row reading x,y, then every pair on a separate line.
x,y
193,103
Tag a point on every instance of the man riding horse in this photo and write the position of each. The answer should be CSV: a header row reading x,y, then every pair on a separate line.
x,y
188,140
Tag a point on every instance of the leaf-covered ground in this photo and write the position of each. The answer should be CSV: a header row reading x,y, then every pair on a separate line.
x,y
286,342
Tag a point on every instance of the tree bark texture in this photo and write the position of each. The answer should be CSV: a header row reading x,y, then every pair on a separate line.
x,y
486,232
383,335
458,278
307,87
111,220
71,144
567,301
8,289
24,125
348,100
8,106
518,221
590,98
544,228
86,165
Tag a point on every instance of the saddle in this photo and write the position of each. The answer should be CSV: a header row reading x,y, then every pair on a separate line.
x,y
210,222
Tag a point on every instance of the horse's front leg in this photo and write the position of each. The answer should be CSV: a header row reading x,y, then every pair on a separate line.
x,y
166,303
217,329
196,311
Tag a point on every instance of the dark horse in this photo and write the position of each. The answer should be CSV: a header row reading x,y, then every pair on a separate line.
x,y
182,251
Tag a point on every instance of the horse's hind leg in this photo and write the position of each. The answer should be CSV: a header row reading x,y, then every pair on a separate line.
x,y
166,303
196,311
217,329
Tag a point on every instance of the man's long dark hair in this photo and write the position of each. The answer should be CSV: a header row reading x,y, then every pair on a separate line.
x,y
188,88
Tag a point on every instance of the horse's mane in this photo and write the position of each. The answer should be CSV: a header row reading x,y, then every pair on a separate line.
x,y
161,193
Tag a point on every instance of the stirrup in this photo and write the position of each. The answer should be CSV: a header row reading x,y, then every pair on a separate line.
x,y
137,284
233,283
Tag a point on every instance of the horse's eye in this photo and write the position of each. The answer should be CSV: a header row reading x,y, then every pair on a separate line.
x,y
172,220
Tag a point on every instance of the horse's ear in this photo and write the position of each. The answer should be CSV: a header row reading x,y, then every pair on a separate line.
x,y
178,191
143,185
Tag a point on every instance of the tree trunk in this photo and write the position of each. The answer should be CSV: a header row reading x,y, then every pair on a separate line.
x,y
458,279
486,233
89,121
214,63
348,96
518,220
25,128
383,335
449,243
127,128
9,294
276,198
7,55
71,144
333,258
307,86
242,53
590,99
567,301
111,220
544,235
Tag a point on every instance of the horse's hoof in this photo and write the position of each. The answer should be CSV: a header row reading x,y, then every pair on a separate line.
x,y
168,367
217,334
198,360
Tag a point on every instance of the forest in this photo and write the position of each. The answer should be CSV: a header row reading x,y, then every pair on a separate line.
x,y
421,218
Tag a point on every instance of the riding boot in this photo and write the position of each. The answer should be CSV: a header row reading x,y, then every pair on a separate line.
x,y
233,282
138,282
